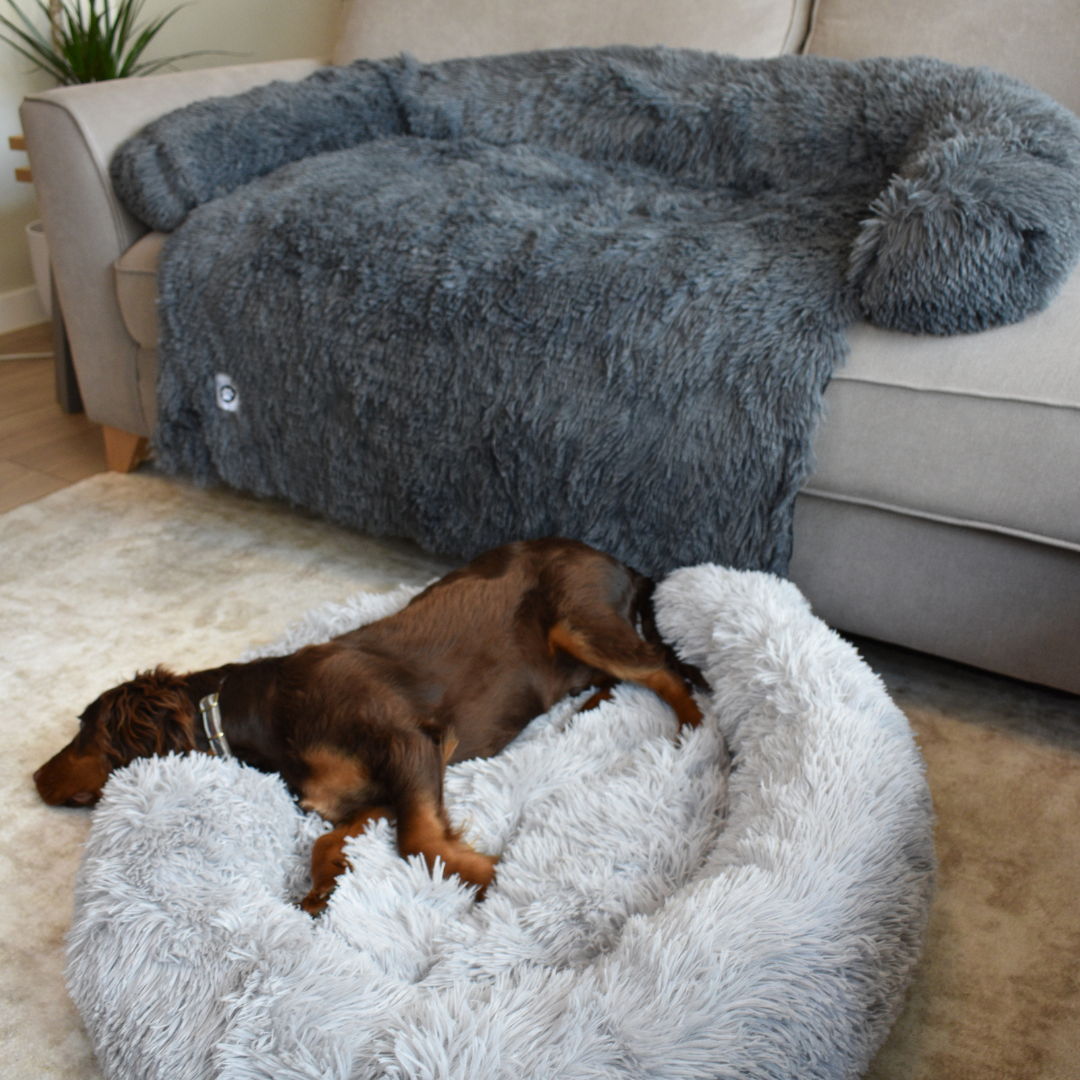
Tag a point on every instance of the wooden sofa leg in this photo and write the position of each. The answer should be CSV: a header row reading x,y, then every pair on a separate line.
x,y
123,450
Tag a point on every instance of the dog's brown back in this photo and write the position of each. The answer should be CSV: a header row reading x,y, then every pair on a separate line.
x,y
477,644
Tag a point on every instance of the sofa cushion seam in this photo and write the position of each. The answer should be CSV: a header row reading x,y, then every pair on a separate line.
x,y
943,519
986,395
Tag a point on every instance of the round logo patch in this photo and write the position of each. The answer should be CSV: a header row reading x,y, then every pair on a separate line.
x,y
228,397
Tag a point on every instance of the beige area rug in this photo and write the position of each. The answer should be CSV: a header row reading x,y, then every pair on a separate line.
x,y
998,993
115,574
120,573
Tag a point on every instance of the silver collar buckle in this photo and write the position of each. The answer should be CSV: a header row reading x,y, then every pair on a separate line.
x,y
211,719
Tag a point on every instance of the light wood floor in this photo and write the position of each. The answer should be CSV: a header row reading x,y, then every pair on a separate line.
x,y
42,448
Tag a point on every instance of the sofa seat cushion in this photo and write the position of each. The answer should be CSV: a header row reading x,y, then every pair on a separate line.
x,y
980,429
136,288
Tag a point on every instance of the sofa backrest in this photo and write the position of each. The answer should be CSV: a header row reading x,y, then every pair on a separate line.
x,y
442,29
1036,40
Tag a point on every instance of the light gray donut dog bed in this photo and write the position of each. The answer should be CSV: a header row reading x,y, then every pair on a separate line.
x,y
654,914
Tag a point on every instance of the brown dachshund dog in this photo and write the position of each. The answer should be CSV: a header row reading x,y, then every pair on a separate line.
x,y
364,726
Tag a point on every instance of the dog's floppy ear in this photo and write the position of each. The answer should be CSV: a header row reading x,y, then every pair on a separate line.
x,y
150,715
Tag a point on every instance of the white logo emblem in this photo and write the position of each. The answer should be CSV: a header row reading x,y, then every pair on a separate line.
x,y
228,397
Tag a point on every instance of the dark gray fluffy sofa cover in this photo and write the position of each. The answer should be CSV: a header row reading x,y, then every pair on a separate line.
x,y
596,293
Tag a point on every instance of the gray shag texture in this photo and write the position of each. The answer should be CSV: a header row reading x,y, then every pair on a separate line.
x,y
596,293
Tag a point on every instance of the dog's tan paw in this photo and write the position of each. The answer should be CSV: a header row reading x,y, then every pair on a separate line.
x,y
316,900
474,869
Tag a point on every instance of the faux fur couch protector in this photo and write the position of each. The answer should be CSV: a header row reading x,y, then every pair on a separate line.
x,y
595,293
661,911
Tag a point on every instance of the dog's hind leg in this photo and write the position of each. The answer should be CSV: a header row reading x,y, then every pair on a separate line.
x,y
610,644
603,693
645,613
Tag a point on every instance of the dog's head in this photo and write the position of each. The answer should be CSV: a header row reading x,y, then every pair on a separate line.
x,y
149,715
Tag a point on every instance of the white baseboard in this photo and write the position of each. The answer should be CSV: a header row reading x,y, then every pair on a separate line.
x,y
19,308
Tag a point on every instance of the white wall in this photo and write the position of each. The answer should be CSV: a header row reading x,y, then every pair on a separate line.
x,y
257,29
17,205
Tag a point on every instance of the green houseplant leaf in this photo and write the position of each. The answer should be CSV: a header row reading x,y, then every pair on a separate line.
x,y
92,41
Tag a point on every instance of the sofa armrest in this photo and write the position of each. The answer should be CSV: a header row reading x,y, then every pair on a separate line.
x,y
71,133
212,147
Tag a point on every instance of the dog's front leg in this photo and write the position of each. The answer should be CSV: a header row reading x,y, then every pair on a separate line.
x,y
328,860
423,827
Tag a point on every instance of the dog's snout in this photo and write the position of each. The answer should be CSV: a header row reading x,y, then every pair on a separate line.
x,y
72,779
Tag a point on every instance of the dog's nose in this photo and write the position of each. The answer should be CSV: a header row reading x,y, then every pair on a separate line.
x,y
37,775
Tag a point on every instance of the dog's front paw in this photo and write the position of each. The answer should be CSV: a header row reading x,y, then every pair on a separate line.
x,y
474,869
316,900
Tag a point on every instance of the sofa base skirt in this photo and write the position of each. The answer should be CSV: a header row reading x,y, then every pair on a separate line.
x,y
998,602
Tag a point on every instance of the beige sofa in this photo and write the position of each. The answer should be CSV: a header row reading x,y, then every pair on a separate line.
x,y
944,514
